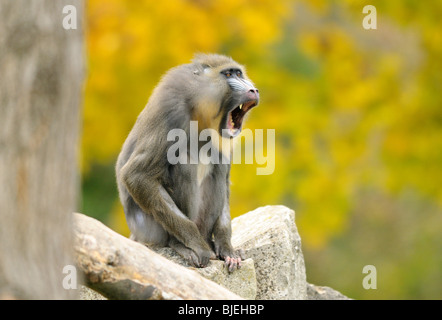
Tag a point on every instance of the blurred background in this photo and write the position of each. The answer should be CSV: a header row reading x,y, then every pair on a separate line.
x,y
357,114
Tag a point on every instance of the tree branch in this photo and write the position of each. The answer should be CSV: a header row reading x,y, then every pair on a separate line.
x,y
120,268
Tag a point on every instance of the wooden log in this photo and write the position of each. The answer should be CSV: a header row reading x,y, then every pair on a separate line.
x,y
120,268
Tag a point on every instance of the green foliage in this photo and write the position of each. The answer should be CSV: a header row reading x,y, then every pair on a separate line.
x,y
357,115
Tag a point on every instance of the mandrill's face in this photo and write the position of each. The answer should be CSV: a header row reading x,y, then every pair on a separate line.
x,y
241,98
225,95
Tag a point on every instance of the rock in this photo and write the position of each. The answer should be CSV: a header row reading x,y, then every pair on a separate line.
x,y
274,268
241,281
89,294
324,293
269,236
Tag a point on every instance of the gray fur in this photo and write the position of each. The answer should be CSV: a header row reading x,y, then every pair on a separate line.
x,y
165,204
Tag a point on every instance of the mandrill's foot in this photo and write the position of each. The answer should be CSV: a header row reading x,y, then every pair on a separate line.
x,y
198,259
232,258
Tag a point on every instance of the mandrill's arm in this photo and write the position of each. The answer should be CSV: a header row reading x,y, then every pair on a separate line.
x,y
153,198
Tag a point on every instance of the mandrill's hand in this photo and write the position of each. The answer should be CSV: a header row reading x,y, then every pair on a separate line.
x,y
232,258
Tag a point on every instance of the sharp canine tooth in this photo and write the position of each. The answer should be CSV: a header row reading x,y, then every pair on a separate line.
x,y
240,106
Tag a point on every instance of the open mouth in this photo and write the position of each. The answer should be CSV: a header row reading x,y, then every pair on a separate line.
x,y
236,117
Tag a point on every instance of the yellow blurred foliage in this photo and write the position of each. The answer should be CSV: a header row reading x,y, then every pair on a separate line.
x,y
325,123
353,110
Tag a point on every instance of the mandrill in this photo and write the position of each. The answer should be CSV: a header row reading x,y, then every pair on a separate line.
x,y
186,205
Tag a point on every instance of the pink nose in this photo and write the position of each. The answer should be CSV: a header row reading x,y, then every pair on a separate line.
x,y
253,94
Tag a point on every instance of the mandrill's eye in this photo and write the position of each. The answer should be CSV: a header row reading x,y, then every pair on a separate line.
x,y
228,74
238,73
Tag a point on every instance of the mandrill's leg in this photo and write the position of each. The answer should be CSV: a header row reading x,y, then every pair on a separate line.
x,y
223,248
